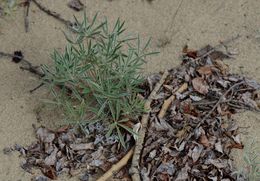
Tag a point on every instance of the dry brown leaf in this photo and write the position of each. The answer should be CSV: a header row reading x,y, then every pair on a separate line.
x,y
200,85
204,140
205,70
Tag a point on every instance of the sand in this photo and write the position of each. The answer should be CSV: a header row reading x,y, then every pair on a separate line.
x,y
197,23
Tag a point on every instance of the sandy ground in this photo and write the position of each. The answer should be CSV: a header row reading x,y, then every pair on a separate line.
x,y
197,23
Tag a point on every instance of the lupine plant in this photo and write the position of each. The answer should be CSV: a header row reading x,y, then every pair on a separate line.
x,y
97,77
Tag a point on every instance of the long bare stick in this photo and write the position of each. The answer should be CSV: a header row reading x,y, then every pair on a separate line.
x,y
51,13
134,170
26,16
169,101
117,166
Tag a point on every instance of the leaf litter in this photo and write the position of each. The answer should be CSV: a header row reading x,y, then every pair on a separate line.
x,y
194,135
68,150
200,131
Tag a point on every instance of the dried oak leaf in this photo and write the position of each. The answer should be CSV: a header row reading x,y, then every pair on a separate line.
x,y
200,85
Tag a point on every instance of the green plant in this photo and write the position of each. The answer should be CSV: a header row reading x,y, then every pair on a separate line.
x,y
251,170
99,75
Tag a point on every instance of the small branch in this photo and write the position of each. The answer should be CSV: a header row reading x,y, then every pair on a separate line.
x,y
34,70
3,54
26,17
117,166
52,13
221,99
169,101
34,89
134,170
218,46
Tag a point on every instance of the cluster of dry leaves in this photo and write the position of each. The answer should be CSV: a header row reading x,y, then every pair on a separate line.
x,y
68,150
194,137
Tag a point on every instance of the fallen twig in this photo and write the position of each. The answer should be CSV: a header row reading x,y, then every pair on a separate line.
x,y
34,89
222,43
134,170
169,101
26,16
117,166
34,70
52,13
3,54
221,99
